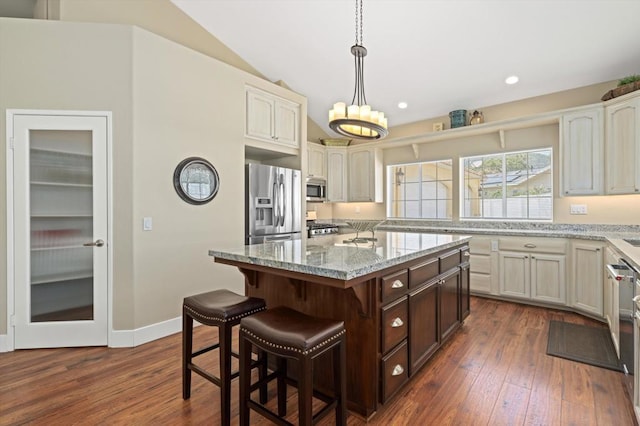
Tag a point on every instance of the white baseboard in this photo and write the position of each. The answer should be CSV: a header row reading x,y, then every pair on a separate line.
x,y
4,343
139,336
129,338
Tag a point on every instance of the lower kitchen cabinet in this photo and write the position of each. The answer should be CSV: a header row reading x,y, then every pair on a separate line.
x,y
611,301
483,265
465,289
586,292
423,315
536,271
449,303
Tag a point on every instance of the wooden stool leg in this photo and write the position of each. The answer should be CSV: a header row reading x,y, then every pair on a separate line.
x,y
187,350
224,336
245,380
262,374
305,391
340,381
282,386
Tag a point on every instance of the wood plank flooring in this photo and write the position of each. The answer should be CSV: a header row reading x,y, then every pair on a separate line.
x,y
494,371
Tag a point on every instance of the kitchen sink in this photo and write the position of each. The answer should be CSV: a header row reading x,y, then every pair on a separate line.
x,y
633,241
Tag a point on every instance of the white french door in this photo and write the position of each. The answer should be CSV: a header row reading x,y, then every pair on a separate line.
x,y
60,217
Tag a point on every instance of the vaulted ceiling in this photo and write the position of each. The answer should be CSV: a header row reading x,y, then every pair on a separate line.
x,y
435,55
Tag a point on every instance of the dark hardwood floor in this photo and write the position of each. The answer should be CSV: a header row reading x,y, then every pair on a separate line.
x,y
494,371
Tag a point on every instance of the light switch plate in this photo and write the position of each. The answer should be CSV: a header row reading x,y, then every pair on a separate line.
x,y
578,209
147,224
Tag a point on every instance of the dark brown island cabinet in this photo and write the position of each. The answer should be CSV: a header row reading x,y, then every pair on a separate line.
x,y
396,318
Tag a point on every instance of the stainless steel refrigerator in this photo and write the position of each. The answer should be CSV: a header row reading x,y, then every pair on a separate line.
x,y
273,204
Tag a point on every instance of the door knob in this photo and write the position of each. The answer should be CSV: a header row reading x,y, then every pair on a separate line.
x,y
96,243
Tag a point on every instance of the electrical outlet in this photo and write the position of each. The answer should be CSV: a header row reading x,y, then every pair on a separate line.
x,y
147,224
578,209
357,209
494,245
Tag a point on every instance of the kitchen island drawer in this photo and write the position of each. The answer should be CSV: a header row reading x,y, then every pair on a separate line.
x,y
450,260
423,272
394,324
394,371
394,285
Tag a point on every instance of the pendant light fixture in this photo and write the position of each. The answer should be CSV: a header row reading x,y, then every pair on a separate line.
x,y
358,120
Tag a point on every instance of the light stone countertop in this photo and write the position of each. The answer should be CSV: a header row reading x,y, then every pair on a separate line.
x,y
615,235
330,256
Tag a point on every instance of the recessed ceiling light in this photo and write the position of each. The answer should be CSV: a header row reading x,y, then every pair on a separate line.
x,y
512,79
402,105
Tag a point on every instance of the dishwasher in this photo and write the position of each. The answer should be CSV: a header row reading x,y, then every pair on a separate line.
x,y
627,276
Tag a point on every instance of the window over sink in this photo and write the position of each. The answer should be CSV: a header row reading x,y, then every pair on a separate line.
x,y
515,185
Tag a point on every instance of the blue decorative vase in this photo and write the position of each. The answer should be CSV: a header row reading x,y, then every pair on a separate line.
x,y
458,118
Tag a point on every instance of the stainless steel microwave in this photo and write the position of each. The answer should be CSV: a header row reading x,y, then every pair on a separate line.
x,y
316,189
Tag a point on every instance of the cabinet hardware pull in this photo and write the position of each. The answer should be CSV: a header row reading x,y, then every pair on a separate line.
x,y
397,284
529,245
397,323
397,370
466,254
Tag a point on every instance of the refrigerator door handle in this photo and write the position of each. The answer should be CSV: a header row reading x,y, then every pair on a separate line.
x,y
283,209
275,203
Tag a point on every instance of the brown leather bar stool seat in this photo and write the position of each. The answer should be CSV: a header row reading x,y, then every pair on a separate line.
x,y
289,334
222,309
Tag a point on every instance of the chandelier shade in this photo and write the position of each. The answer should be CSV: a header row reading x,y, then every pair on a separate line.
x,y
357,120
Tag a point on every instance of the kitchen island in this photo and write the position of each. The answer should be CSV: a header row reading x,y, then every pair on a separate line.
x,y
400,296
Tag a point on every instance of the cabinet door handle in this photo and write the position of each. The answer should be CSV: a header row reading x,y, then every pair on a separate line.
x,y
529,245
466,254
397,323
397,284
397,370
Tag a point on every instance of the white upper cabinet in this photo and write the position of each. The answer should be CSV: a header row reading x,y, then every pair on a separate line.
x,y
582,149
365,175
623,146
337,175
270,118
316,164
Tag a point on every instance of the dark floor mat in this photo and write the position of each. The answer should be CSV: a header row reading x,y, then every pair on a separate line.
x,y
577,342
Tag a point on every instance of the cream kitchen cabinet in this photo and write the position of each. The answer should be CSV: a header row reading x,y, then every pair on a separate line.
x,y
623,146
483,265
611,305
365,175
533,269
316,161
270,118
586,290
582,153
337,175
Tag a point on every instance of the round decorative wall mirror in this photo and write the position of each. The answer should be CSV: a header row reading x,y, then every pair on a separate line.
x,y
196,181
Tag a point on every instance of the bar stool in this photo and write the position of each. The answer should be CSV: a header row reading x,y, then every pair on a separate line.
x,y
222,309
289,334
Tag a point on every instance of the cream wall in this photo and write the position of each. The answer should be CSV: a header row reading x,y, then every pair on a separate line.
x,y
73,66
184,104
612,209
168,102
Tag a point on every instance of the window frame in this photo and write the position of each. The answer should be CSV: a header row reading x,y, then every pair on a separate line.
x,y
391,181
463,186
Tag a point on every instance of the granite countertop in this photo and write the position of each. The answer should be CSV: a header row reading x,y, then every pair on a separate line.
x,y
615,235
333,256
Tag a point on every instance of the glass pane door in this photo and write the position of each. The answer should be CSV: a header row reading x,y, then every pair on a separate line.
x,y
61,221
